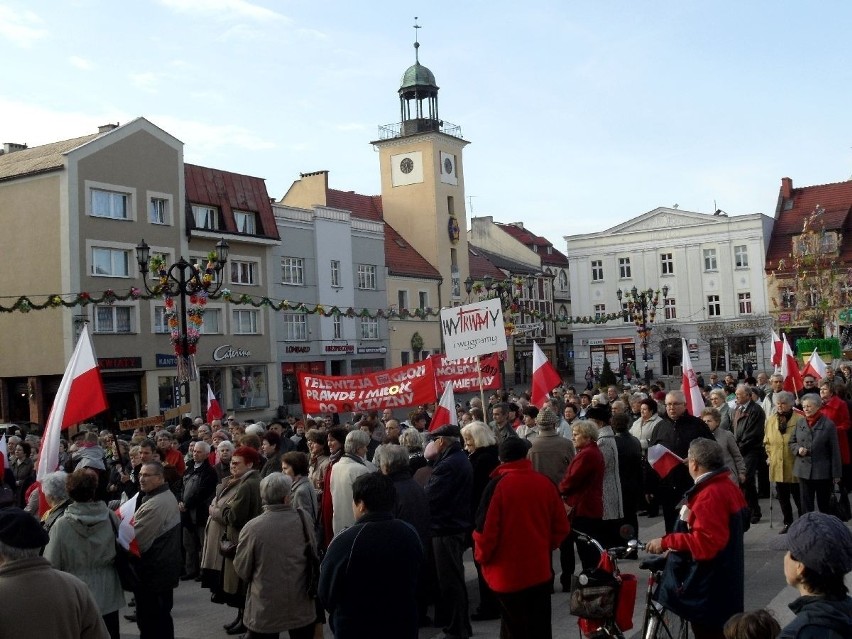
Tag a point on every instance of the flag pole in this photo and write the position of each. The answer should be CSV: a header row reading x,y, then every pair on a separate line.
x,y
481,389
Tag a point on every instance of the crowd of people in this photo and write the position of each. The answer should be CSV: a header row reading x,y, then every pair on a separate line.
x,y
303,522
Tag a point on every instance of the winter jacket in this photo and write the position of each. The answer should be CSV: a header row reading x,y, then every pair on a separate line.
x,y
158,533
837,411
676,436
483,460
304,497
82,542
411,506
823,460
747,423
777,445
244,507
448,491
343,475
523,522
199,486
612,504
582,486
819,618
730,452
550,455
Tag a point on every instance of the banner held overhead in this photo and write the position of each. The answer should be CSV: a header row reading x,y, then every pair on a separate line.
x,y
473,329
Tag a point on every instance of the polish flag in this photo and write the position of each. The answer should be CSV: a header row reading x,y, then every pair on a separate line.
x,y
777,350
790,370
815,366
689,382
80,396
445,413
214,411
544,377
4,456
662,460
127,526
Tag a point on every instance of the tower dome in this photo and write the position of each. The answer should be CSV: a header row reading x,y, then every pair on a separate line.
x,y
418,97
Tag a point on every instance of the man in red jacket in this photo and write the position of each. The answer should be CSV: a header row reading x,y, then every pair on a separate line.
x,y
520,521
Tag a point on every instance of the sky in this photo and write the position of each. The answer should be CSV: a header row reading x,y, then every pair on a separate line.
x,y
580,114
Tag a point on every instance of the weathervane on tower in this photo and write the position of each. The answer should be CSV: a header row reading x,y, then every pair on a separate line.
x,y
416,43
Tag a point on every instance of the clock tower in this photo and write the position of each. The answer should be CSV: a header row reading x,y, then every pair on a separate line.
x,y
423,181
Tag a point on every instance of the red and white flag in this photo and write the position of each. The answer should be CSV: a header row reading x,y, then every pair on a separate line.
x,y
214,411
777,350
445,413
127,527
790,370
689,382
662,460
815,366
80,396
4,455
544,377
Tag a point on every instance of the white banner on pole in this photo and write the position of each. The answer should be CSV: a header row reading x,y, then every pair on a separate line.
x,y
473,329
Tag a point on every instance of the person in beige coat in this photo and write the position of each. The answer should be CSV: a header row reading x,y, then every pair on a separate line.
x,y
272,560
776,440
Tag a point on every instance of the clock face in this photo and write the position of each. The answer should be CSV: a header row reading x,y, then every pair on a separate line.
x,y
448,166
406,166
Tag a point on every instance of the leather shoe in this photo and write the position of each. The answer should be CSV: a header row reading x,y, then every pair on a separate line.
x,y
188,576
236,622
784,530
755,519
239,629
131,617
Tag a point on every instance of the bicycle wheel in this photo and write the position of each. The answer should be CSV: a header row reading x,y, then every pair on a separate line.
x,y
664,624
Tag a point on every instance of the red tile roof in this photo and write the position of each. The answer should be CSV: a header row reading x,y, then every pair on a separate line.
x,y
229,191
401,258
530,239
835,198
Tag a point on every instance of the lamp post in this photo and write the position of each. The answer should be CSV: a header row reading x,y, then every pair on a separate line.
x,y
642,308
181,279
503,289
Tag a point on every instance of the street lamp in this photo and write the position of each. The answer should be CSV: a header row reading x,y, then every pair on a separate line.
x,y
468,286
181,279
504,293
642,308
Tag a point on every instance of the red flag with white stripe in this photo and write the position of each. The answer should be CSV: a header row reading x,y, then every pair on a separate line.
x,y
689,382
544,377
815,366
790,370
662,460
777,350
214,411
127,527
445,413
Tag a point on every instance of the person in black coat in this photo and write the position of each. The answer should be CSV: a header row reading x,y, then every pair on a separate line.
x,y
199,486
357,566
629,469
747,423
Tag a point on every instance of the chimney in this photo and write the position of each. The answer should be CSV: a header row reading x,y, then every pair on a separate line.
x,y
106,128
786,188
11,147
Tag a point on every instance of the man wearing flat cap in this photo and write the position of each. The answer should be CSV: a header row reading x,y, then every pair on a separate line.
x,y
29,586
450,520
819,556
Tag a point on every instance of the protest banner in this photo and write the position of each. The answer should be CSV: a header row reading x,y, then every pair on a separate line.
x,y
464,373
395,388
473,329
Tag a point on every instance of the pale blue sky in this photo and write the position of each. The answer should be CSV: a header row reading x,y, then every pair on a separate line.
x,y
580,115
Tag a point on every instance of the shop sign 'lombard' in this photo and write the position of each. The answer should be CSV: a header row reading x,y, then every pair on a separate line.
x,y
226,351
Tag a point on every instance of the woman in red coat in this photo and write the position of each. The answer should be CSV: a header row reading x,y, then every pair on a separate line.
x,y
582,490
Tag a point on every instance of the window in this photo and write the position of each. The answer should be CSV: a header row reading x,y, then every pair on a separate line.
x,y
402,299
597,270
249,387
709,259
423,302
369,328
744,300
337,327
212,324
788,298
200,262
563,279
600,310
206,217
451,205
367,276
246,222
110,262
625,313
812,297
535,248
335,272
405,357
160,324
666,264
158,210
110,204
112,319
293,270
624,268
670,312
714,308
741,256
243,272
295,327
245,321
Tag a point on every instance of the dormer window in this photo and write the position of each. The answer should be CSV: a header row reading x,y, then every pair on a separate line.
x,y
246,222
206,217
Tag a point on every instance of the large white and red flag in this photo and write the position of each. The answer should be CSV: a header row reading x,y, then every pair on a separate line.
x,y
544,377
790,370
445,413
815,366
662,460
127,527
689,382
80,396
214,411
777,350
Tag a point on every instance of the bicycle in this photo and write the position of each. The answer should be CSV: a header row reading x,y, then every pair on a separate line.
x,y
658,621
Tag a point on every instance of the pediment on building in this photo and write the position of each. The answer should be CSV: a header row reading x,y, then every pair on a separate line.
x,y
663,218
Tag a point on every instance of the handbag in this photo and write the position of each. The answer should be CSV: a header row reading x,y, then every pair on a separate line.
x,y
312,569
839,503
593,598
227,548
126,565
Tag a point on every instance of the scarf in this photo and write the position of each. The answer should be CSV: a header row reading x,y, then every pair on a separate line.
x,y
783,418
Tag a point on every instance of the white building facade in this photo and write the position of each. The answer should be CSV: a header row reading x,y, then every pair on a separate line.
x,y
711,267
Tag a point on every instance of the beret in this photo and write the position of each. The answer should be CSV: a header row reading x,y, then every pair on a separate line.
x,y
19,529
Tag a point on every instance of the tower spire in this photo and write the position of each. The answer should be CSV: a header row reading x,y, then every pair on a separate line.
x,y
416,43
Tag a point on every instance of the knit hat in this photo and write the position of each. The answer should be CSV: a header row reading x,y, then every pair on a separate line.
x,y
822,542
19,529
600,413
512,449
547,417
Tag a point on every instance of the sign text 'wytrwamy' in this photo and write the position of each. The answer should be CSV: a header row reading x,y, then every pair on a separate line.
x,y
473,329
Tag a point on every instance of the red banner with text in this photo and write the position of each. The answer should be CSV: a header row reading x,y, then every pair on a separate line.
x,y
464,373
394,388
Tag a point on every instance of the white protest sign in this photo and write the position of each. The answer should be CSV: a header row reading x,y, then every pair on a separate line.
x,y
473,329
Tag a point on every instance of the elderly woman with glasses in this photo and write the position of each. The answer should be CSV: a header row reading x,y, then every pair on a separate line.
x,y
780,427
